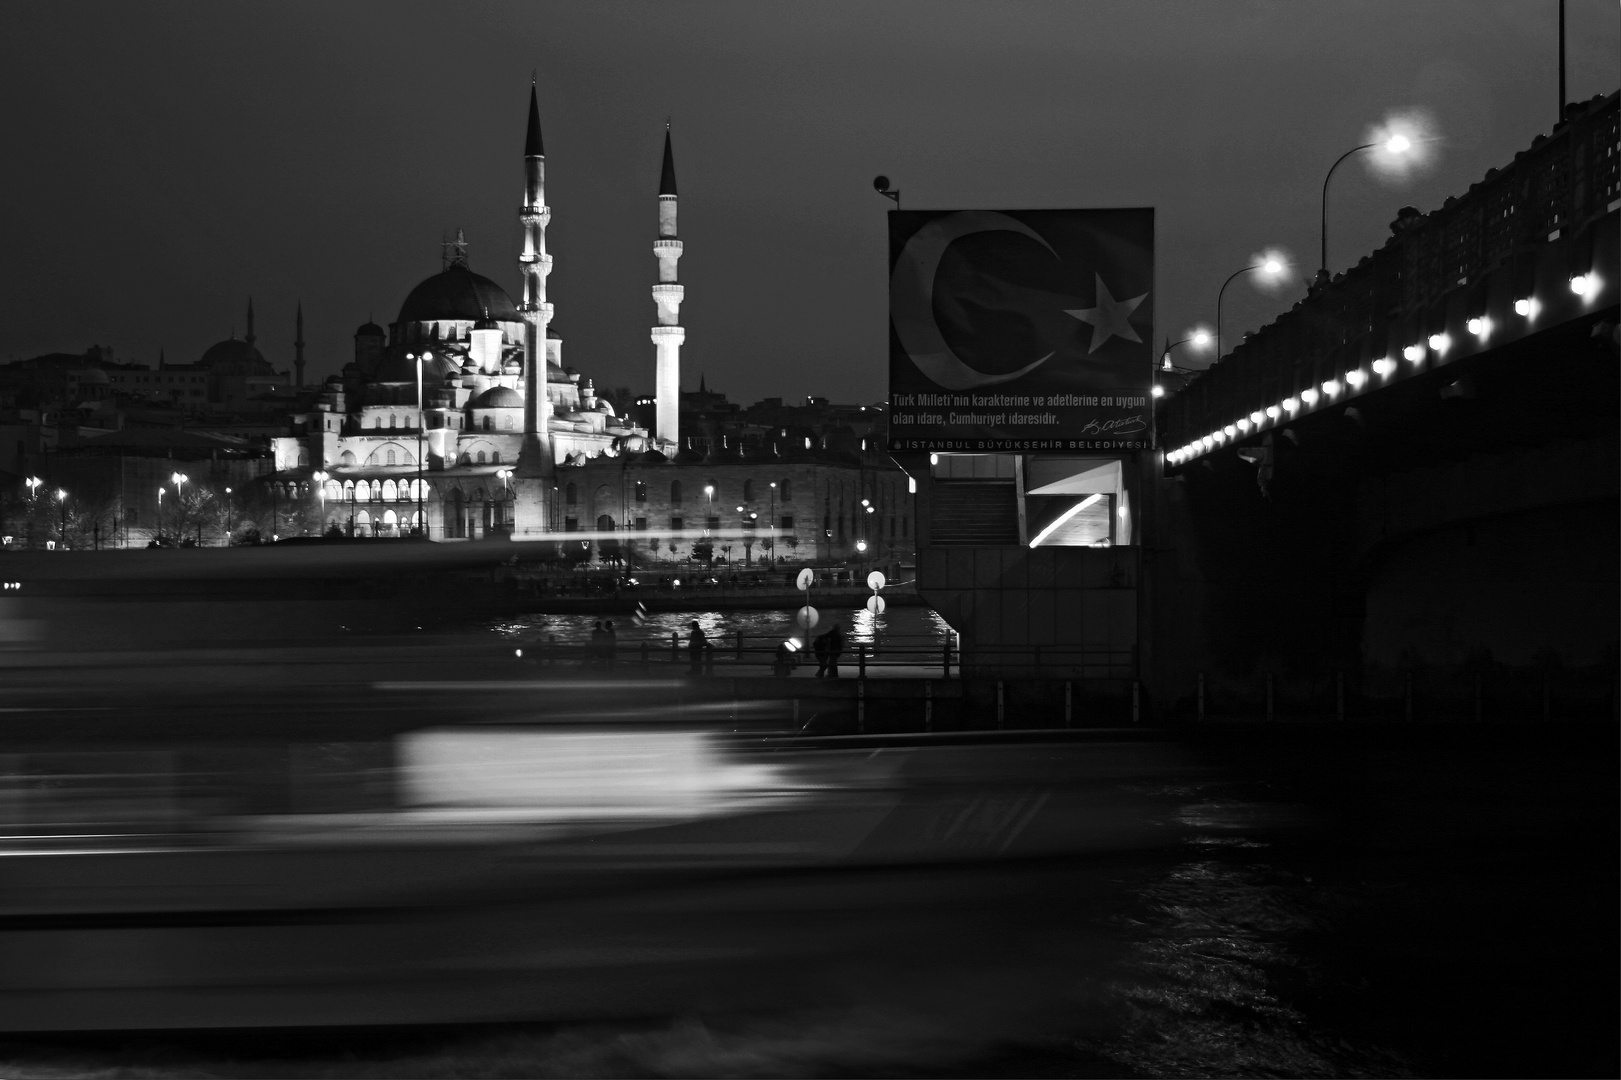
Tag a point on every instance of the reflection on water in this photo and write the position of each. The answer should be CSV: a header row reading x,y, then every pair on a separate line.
x,y
1377,908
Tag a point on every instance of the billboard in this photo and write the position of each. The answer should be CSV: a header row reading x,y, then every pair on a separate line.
x,y
1020,330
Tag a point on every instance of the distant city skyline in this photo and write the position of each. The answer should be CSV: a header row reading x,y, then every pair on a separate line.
x,y
174,161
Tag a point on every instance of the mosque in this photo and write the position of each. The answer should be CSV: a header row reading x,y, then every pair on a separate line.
x,y
460,421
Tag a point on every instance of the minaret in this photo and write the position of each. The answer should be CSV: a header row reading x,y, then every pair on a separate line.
x,y
249,337
298,348
534,459
667,295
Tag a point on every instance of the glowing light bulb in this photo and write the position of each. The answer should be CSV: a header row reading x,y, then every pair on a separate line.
x,y
1332,387
1440,342
1257,416
1309,396
1243,424
1158,391
1355,377
1291,403
1201,338
1384,366
1398,144
1579,284
1273,411
1522,306
1230,430
1272,266
1414,353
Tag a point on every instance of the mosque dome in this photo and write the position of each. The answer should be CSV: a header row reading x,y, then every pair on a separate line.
x,y
370,329
458,293
498,397
234,356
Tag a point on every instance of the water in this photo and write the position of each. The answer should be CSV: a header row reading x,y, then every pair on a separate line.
x,y
1369,902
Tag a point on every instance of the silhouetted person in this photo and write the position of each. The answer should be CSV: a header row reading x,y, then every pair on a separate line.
x,y
598,649
828,648
610,643
697,645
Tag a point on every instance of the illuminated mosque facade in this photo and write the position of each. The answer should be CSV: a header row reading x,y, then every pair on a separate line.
x,y
460,420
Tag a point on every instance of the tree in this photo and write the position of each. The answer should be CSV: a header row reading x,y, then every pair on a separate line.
x,y
704,551
609,550
793,543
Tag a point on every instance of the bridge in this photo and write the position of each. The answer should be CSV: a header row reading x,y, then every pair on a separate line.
x,y
1407,485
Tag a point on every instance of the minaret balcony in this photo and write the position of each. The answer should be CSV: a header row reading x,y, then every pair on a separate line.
x,y
535,215
669,295
673,335
667,249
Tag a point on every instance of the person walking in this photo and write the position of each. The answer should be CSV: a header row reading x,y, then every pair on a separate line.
x,y
835,646
598,648
610,643
697,645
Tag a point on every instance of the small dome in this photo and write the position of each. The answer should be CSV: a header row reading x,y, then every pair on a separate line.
x,y
486,323
551,332
369,329
653,457
689,456
498,397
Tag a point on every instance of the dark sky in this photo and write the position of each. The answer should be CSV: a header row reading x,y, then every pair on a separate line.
x,y
163,161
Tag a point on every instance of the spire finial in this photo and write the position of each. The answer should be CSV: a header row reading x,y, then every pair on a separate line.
x,y
455,251
667,174
533,146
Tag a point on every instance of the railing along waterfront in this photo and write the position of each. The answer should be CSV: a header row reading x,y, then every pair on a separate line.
x,y
1477,252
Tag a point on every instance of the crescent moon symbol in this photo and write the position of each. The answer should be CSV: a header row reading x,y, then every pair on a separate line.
x,y
911,297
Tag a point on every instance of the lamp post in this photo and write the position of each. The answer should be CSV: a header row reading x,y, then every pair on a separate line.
x,y
1271,266
320,479
1396,145
178,480
160,510
422,422
62,501
228,522
1198,339
505,476
33,483
709,493
773,552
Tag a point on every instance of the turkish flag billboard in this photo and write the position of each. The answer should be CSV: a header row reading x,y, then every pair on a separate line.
x,y
1020,330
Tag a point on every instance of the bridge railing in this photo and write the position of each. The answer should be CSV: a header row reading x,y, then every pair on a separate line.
x,y
1557,190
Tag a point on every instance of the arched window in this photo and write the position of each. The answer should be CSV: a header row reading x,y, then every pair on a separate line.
x,y
495,457
786,487
748,490
362,491
641,492
390,522
333,490
393,420
376,490
390,492
605,524
348,489
346,458
304,457
506,422
362,521
480,457
467,459
489,425
675,493
390,457
571,496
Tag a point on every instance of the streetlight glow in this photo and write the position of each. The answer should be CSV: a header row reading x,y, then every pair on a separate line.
x,y
1398,144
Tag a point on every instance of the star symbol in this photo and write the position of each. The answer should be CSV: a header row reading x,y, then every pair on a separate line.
x,y
1111,318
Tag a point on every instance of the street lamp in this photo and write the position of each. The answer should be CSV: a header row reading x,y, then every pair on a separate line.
x,y
505,476
160,510
177,479
62,498
1270,265
709,493
1396,146
228,509
320,479
773,558
422,422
